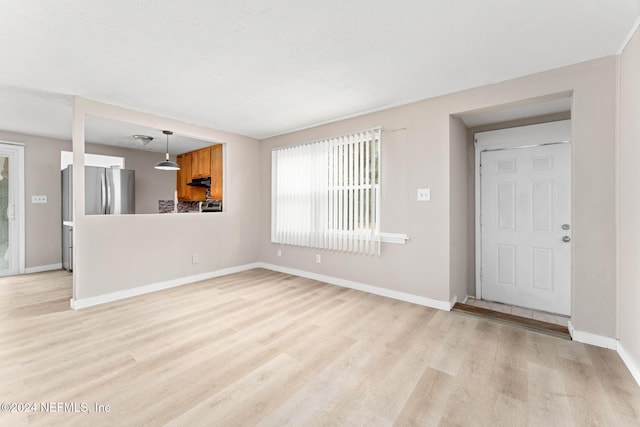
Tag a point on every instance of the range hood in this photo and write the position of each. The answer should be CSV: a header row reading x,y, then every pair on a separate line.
x,y
201,182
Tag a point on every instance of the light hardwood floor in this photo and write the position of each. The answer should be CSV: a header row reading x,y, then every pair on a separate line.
x,y
270,349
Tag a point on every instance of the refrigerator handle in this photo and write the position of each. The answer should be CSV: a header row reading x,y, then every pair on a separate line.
x,y
109,193
70,248
103,196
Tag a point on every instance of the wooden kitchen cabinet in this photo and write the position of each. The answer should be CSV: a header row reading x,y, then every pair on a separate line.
x,y
201,163
191,166
216,172
187,193
183,176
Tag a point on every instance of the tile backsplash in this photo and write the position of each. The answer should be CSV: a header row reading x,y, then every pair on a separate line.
x,y
167,206
188,207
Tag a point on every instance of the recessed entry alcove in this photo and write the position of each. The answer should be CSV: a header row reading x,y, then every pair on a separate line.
x,y
464,178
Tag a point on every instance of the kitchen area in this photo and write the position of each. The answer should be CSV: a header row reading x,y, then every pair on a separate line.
x,y
123,176
199,182
115,256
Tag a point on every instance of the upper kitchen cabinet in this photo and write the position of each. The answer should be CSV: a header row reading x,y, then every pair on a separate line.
x,y
201,163
216,172
187,193
183,177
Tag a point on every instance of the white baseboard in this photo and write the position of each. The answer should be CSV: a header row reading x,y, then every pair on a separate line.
x,y
610,343
632,365
592,339
41,268
453,302
127,293
115,296
402,296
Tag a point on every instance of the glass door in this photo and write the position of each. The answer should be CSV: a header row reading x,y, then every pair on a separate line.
x,y
4,214
11,209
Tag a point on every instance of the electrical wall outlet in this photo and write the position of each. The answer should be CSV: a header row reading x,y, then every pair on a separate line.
x,y
318,259
195,259
38,199
424,194
279,252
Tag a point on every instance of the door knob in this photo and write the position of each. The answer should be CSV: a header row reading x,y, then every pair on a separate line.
x,y
566,239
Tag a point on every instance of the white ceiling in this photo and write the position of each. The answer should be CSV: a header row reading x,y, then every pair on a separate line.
x,y
120,134
262,68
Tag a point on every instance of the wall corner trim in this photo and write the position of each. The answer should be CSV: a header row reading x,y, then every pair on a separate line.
x,y
453,302
41,268
632,365
402,296
77,304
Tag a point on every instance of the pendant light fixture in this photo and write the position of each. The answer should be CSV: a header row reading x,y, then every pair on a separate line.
x,y
167,165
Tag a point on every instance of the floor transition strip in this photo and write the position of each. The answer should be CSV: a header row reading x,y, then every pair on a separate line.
x,y
513,320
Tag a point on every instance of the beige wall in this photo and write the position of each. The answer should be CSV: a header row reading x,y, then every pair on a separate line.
x,y
419,143
43,222
42,177
423,266
461,247
629,198
119,253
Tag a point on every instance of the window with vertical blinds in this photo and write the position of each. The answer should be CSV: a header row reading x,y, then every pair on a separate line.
x,y
326,194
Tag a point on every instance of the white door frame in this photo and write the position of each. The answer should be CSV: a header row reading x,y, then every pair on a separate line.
x,y
505,139
16,181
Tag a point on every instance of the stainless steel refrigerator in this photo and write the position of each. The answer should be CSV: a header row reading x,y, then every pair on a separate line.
x,y
108,191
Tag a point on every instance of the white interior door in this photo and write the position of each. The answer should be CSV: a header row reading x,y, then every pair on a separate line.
x,y
526,226
11,209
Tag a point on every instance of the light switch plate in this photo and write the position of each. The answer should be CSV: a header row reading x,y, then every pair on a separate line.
x,y
424,194
38,199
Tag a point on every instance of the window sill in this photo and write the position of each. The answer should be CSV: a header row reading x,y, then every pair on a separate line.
x,y
397,238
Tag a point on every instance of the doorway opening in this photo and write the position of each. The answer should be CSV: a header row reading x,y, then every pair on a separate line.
x,y
542,195
523,216
12,231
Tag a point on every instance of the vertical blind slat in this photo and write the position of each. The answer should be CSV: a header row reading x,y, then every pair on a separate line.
x,y
368,190
356,201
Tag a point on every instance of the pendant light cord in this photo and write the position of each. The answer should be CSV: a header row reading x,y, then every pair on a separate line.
x,y
167,152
